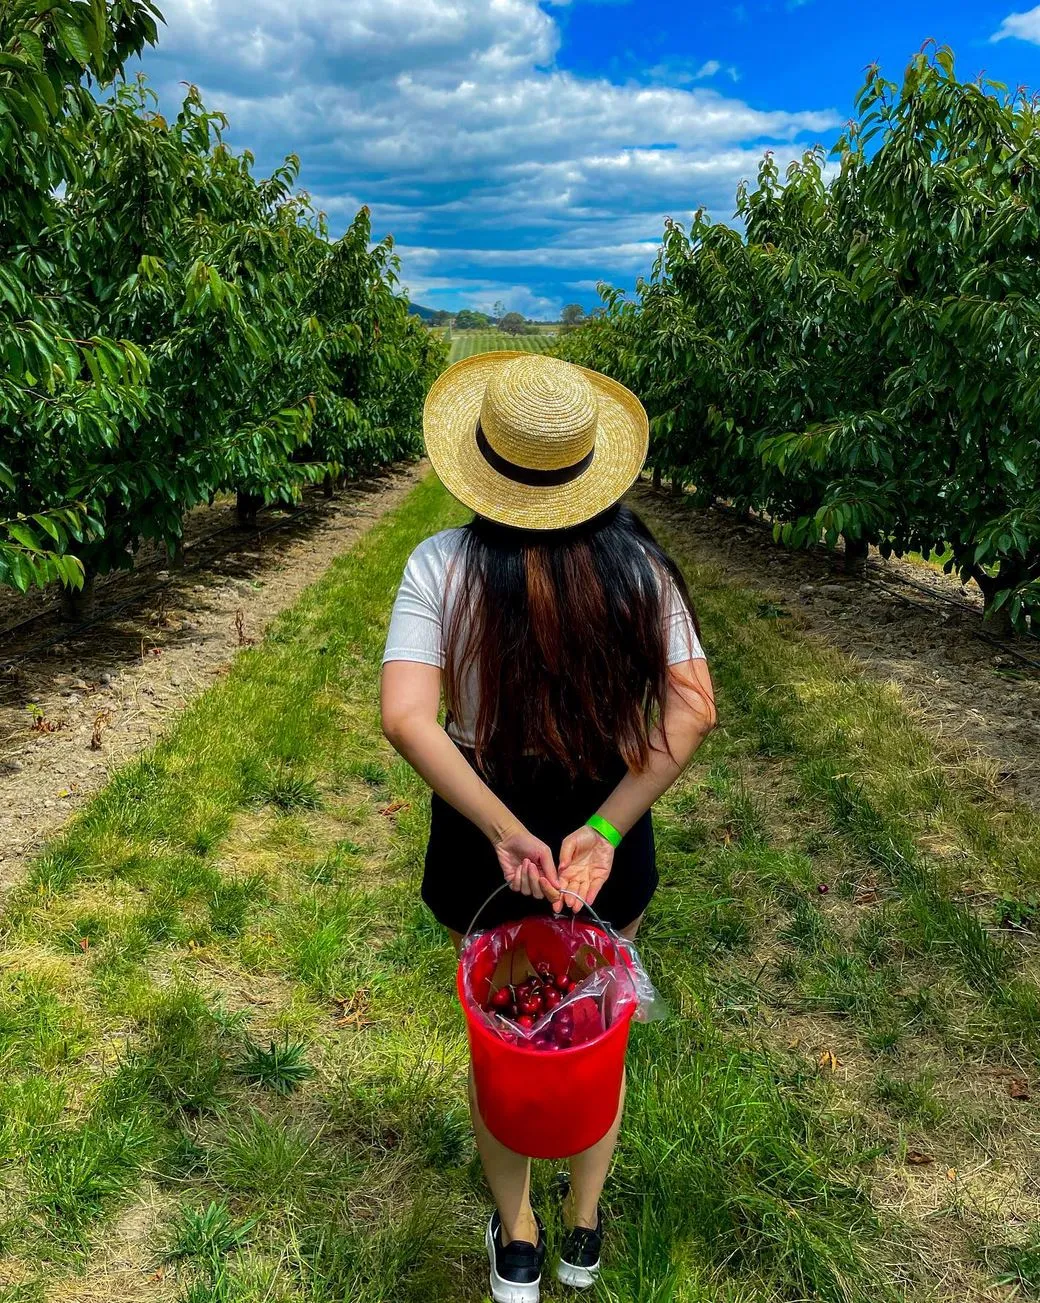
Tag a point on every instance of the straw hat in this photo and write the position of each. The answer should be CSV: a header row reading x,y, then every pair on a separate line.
x,y
531,441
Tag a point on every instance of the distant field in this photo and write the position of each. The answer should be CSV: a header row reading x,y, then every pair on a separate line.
x,y
480,341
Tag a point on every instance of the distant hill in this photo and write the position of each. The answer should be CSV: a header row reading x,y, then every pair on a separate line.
x,y
417,310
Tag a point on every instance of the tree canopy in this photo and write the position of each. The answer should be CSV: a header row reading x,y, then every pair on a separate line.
x,y
171,324
862,360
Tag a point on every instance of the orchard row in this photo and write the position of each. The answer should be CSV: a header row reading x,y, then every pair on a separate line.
x,y
172,326
862,359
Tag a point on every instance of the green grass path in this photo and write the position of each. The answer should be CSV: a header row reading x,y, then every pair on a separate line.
x,y
232,1064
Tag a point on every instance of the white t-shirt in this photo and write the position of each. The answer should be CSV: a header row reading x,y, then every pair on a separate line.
x,y
422,611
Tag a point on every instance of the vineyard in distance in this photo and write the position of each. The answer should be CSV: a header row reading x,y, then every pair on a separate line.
x,y
232,1062
467,343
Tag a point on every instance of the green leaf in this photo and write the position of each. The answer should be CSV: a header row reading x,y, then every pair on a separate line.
x,y
22,534
73,38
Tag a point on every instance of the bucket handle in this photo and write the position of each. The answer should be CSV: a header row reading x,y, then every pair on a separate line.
x,y
564,891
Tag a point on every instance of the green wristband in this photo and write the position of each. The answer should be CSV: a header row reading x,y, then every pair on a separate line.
x,y
605,829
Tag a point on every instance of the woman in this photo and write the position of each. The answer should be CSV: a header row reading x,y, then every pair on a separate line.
x,y
576,690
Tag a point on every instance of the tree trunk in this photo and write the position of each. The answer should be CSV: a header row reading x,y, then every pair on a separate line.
x,y
677,485
998,623
856,551
657,478
1010,575
79,604
328,486
246,507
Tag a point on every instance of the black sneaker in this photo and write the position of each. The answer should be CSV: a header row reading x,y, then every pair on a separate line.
x,y
516,1268
580,1254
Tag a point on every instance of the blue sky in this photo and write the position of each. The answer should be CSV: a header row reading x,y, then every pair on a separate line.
x,y
518,150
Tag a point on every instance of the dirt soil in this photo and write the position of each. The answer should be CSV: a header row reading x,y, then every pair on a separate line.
x,y
977,694
75,705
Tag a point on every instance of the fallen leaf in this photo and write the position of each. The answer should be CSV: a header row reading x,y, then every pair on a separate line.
x,y
951,1174
393,807
1018,1088
84,944
865,897
828,1059
101,721
353,1010
918,1159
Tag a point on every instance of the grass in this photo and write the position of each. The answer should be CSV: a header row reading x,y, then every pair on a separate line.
x,y
478,341
233,1068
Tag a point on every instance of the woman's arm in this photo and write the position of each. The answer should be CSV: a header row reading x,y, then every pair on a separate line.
x,y
410,699
687,718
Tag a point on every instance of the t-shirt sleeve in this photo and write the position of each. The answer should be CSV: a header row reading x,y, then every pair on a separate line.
x,y
680,635
415,632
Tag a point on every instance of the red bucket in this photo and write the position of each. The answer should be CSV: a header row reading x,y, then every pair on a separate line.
x,y
545,1104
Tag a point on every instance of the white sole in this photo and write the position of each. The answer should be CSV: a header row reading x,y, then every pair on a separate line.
x,y
576,1277
507,1291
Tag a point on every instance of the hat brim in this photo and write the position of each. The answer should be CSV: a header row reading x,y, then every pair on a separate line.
x,y
450,432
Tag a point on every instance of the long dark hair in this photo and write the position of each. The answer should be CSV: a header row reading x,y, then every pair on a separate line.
x,y
562,633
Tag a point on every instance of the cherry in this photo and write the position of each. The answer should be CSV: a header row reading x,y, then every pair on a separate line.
x,y
526,1021
552,998
563,983
502,998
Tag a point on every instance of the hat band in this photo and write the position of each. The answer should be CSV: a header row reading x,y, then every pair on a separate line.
x,y
527,474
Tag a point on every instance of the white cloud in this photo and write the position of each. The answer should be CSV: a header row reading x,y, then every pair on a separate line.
x,y
452,120
1026,27
467,292
683,72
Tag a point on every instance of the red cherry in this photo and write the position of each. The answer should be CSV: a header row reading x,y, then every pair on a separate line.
x,y
502,998
552,998
563,983
525,1020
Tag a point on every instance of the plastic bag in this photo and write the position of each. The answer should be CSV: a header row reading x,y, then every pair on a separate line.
x,y
601,978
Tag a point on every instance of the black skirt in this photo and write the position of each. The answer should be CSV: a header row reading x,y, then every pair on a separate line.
x,y
462,869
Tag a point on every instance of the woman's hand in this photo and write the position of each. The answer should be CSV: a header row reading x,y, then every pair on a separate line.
x,y
586,859
527,865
